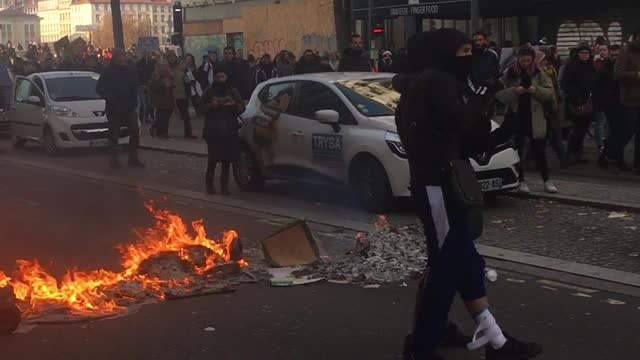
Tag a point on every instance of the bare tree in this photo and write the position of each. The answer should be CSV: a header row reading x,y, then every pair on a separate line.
x,y
132,30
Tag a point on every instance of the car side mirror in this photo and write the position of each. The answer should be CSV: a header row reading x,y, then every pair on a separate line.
x,y
329,117
34,100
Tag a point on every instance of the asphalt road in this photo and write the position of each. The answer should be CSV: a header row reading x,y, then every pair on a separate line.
x,y
67,222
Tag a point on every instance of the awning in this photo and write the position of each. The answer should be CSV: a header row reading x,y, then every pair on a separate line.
x,y
445,9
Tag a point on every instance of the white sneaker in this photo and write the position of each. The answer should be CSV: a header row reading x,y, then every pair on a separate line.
x,y
550,187
524,188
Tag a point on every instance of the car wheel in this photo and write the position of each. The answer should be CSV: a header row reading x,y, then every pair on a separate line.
x,y
18,142
246,171
49,141
373,188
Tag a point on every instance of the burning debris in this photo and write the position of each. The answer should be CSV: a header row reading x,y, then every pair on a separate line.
x,y
169,260
389,254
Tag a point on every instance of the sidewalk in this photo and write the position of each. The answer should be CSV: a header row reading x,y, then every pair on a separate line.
x,y
585,184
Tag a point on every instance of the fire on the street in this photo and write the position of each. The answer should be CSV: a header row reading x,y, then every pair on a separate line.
x,y
167,256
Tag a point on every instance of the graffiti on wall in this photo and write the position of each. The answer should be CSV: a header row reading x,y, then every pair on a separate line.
x,y
570,33
271,47
199,45
319,43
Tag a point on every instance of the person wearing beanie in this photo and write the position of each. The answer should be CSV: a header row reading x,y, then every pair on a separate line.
x,y
442,118
578,84
221,105
527,90
627,71
118,86
552,109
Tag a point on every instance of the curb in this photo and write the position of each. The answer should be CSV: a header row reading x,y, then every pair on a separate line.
x,y
491,252
172,151
580,201
563,199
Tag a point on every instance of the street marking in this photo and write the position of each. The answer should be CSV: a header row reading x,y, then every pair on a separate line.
x,y
549,288
615,302
516,280
578,294
567,286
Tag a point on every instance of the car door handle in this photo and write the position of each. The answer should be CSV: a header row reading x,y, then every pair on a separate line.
x,y
297,133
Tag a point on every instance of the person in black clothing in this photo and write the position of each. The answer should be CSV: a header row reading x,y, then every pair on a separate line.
x,y
607,95
311,63
578,85
145,67
354,57
442,118
263,71
386,62
486,62
117,86
91,64
221,104
239,72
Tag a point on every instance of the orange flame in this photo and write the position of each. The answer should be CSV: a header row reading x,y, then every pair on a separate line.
x,y
84,292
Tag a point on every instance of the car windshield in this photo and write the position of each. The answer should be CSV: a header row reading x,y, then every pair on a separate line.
x,y
372,97
75,88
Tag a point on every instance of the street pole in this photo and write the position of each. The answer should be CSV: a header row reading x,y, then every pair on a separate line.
x,y
352,17
370,25
116,16
475,15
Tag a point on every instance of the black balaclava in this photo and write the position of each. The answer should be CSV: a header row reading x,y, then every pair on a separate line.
x,y
437,50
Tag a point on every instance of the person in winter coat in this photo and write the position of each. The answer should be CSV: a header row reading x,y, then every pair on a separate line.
x,y
607,95
264,71
161,88
311,63
386,63
552,109
486,62
527,90
194,90
239,72
117,86
578,84
354,57
627,71
180,92
221,104
285,63
443,118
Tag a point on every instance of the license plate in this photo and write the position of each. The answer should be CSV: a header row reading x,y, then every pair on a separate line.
x,y
98,143
491,184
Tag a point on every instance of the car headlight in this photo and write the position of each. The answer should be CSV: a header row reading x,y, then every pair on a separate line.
x,y
63,111
395,144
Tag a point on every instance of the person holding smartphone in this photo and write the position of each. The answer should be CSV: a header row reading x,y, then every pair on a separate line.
x,y
526,91
221,104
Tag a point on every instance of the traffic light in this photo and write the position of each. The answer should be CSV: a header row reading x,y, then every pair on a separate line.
x,y
378,29
177,18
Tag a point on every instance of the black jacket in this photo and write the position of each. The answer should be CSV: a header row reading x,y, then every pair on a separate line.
x,y
145,69
240,77
354,60
486,66
606,92
311,66
118,86
578,81
438,117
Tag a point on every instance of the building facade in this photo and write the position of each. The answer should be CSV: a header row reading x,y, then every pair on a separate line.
x,y
76,18
26,6
19,28
259,27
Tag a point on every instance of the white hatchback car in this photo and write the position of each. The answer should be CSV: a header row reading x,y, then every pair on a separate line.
x,y
340,128
61,110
